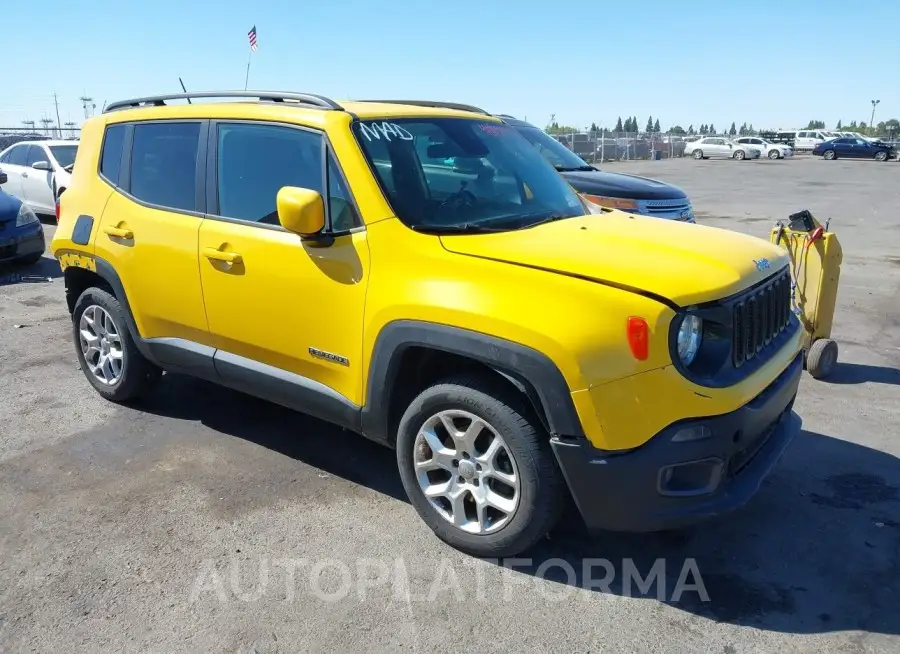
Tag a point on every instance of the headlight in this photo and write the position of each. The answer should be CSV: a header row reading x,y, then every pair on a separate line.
x,y
690,334
612,203
26,216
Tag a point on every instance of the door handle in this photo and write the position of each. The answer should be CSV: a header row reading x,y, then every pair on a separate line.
x,y
218,255
119,232
24,174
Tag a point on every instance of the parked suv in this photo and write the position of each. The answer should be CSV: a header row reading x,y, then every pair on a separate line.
x,y
421,275
630,193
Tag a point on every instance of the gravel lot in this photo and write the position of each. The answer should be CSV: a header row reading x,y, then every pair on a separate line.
x,y
205,520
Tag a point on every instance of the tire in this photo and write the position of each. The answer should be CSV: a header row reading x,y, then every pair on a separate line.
x,y
697,154
829,155
821,358
773,154
881,156
136,375
537,503
740,155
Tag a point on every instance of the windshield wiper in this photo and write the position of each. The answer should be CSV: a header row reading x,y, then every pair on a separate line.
x,y
573,169
464,228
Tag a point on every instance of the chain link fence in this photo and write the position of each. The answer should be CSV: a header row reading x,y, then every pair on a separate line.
x,y
605,145
12,135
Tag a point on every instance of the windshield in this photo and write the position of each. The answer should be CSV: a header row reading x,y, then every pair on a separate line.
x,y
64,154
456,174
558,155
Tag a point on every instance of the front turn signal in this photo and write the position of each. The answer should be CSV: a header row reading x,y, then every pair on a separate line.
x,y
639,338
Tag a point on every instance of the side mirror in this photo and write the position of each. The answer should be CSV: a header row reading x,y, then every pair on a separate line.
x,y
300,210
41,165
730,147
3,178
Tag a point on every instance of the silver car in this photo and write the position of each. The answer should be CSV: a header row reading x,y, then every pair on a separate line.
x,y
719,147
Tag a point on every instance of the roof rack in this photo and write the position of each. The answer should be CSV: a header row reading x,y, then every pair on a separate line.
x,y
431,103
318,101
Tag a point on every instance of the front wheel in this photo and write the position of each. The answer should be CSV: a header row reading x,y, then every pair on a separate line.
x,y
881,156
478,468
739,155
829,155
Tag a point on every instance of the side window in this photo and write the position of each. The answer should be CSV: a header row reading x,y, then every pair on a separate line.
x,y
18,155
111,156
36,153
164,164
255,161
340,204
4,158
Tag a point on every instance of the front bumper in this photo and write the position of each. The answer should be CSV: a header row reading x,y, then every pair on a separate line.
x,y
17,242
665,484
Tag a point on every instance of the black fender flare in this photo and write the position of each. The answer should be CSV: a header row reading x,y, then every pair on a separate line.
x,y
525,366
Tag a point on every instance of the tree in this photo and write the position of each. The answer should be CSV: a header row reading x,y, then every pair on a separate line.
x,y
556,128
677,130
618,127
703,129
838,126
649,124
656,126
712,129
751,131
816,124
691,129
743,130
733,130
594,129
634,124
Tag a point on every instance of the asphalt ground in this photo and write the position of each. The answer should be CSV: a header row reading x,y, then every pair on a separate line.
x,y
204,520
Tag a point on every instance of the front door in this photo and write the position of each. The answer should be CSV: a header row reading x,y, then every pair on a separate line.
x,y
37,185
285,314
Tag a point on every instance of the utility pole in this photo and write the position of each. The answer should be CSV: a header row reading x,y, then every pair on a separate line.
x,y
872,120
46,122
58,123
29,123
85,102
71,127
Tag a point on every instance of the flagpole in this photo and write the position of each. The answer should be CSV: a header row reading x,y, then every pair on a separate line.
x,y
247,77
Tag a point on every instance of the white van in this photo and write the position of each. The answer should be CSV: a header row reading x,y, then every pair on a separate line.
x,y
807,139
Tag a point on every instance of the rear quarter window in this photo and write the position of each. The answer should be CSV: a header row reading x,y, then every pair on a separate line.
x,y
111,155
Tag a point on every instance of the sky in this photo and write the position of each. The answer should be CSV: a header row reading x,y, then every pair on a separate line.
x,y
771,63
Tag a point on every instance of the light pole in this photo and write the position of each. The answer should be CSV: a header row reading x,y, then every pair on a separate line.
x,y
872,120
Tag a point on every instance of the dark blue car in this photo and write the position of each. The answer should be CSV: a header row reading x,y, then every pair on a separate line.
x,y
851,148
21,233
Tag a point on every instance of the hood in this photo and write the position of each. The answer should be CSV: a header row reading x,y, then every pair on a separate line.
x,y
683,263
618,185
9,207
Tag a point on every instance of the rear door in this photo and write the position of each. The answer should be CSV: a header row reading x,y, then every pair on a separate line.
x,y
13,164
37,185
149,228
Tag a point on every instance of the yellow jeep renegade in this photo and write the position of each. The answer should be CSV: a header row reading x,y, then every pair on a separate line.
x,y
416,272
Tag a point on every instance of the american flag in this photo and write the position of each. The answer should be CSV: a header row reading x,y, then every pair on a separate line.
x,y
252,36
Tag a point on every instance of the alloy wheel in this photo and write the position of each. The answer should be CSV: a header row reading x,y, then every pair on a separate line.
x,y
466,471
101,345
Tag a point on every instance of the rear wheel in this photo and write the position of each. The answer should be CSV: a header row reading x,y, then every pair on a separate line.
x,y
478,468
829,154
106,351
881,156
697,154
739,155
773,154
821,358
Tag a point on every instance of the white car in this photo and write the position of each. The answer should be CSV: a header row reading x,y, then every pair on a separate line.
x,y
719,147
38,172
769,149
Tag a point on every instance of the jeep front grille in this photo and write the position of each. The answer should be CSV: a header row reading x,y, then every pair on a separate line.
x,y
760,316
